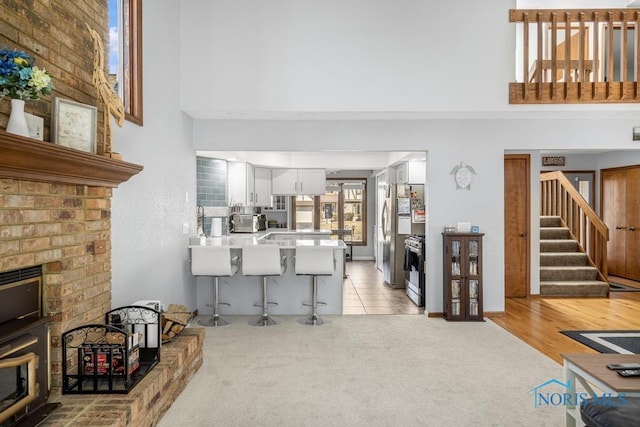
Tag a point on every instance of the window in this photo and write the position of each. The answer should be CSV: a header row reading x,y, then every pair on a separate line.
x,y
343,206
125,55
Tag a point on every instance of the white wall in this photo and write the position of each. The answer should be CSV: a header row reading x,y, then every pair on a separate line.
x,y
571,4
619,158
149,255
345,55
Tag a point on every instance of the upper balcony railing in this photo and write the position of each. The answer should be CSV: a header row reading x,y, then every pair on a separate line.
x,y
571,56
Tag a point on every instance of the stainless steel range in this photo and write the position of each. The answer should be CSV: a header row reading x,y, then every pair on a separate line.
x,y
414,261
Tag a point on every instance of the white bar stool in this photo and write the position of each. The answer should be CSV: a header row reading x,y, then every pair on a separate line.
x,y
213,261
265,261
314,261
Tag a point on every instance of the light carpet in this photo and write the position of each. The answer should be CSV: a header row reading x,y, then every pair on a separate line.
x,y
366,371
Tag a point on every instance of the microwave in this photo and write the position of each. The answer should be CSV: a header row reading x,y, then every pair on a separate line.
x,y
248,223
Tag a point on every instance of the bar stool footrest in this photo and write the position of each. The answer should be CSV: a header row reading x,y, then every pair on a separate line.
x,y
319,303
224,304
259,304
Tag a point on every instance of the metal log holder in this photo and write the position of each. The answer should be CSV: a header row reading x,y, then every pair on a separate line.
x,y
114,357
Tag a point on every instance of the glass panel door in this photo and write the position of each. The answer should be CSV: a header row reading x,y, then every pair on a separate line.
x,y
456,279
329,203
304,212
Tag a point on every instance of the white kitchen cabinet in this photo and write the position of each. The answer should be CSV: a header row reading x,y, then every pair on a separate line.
x,y
251,183
312,181
402,173
417,172
411,172
298,181
241,184
284,181
262,187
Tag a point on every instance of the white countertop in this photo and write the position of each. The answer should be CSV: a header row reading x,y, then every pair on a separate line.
x,y
284,238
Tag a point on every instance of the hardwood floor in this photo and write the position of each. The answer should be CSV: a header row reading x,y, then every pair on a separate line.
x,y
538,320
364,292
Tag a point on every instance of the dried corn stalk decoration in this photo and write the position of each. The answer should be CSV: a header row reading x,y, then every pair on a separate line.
x,y
106,95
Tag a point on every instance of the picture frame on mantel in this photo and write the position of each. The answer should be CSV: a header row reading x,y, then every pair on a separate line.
x,y
74,124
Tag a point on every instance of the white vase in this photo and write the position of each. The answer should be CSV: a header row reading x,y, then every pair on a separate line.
x,y
17,121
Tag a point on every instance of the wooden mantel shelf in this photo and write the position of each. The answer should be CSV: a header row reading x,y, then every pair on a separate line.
x,y
32,160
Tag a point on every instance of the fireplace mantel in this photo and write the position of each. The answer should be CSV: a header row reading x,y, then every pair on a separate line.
x,y
32,160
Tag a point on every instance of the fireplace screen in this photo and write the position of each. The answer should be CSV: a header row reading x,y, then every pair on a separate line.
x,y
18,386
24,347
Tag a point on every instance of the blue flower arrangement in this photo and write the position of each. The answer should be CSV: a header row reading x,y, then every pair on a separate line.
x,y
19,78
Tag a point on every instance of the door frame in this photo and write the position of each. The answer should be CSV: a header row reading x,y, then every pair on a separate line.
x,y
527,256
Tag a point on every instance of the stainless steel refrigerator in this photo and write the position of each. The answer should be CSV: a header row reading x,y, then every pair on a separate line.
x,y
397,222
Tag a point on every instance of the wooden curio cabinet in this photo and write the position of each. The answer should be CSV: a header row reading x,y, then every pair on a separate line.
x,y
462,276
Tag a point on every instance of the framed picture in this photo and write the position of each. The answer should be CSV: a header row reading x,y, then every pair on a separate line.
x,y
73,124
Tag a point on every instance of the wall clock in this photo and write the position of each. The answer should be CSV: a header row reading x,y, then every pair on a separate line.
x,y
463,176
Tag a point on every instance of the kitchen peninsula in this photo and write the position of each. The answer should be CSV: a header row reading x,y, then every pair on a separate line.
x,y
289,290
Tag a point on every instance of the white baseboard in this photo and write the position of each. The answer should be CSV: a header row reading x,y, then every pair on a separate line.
x,y
364,258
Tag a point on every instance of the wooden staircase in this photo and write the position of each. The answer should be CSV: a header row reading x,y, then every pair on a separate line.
x,y
573,241
565,269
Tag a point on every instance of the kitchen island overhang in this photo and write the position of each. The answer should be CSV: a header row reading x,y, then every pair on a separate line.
x,y
289,290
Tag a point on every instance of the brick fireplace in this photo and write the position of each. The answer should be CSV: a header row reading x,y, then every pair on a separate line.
x,y
55,211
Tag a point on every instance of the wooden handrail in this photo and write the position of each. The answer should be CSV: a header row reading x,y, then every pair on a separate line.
x,y
560,198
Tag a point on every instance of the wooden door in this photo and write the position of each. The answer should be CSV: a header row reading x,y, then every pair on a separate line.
x,y
516,225
613,210
632,233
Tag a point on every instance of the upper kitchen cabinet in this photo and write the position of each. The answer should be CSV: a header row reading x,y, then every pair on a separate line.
x,y
289,182
411,172
262,187
241,184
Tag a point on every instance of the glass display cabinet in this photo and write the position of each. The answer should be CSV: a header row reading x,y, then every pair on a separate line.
x,y
462,272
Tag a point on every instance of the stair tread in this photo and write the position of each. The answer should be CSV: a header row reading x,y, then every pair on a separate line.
x,y
562,258
573,282
563,254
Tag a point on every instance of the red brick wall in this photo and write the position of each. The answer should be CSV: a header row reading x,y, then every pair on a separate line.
x,y
55,34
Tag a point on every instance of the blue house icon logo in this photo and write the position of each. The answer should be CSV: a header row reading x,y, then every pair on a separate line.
x,y
541,398
557,393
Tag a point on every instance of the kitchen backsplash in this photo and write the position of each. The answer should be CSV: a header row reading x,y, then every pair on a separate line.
x,y
211,182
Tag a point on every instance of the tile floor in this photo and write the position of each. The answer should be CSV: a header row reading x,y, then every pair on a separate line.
x,y
364,292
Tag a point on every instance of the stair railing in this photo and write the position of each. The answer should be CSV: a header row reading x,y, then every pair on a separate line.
x,y
560,198
571,56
